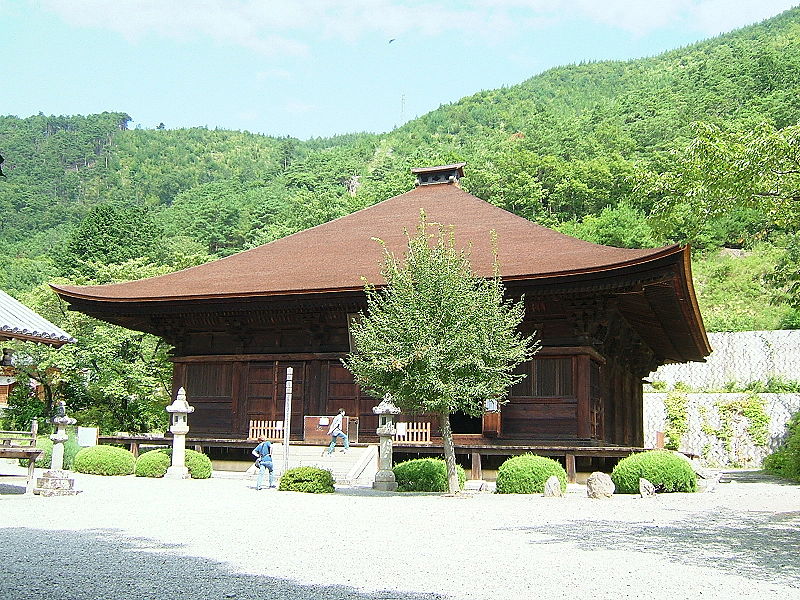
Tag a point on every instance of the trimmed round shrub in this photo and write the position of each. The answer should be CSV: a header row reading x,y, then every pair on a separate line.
x,y
154,463
199,464
425,475
312,480
104,460
667,471
527,474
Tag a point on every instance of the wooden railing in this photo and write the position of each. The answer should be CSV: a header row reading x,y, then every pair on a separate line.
x,y
271,430
413,433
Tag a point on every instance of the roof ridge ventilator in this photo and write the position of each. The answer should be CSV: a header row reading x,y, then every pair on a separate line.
x,y
441,174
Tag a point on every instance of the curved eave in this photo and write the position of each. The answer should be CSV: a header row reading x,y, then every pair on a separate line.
x,y
692,306
81,292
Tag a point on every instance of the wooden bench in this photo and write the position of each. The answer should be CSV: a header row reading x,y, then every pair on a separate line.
x,y
21,444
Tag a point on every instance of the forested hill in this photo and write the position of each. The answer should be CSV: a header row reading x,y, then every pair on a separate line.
x,y
609,151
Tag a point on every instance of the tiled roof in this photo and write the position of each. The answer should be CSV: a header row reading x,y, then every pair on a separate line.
x,y
17,321
336,256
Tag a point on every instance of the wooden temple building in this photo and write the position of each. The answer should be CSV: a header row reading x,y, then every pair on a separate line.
x,y
606,318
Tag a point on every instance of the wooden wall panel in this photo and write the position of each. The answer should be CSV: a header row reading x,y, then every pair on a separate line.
x,y
540,417
211,416
209,389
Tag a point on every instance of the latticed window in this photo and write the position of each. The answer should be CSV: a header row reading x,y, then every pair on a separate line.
x,y
546,377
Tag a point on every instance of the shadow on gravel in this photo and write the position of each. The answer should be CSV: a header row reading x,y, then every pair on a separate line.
x,y
10,489
100,564
756,545
754,477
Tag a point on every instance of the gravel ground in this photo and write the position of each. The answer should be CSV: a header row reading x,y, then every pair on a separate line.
x,y
127,537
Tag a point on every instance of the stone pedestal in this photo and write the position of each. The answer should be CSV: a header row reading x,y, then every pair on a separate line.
x,y
178,469
55,482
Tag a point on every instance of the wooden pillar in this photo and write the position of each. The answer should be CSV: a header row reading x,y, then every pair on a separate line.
x,y
135,449
312,399
638,439
571,474
476,472
239,400
581,368
619,405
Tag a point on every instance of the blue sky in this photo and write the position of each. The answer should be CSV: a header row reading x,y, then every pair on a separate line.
x,y
311,68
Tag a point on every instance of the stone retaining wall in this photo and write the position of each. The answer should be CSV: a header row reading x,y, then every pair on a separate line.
x,y
740,358
703,416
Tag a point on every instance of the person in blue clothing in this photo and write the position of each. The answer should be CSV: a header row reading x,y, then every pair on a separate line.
x,y
263,454
335,431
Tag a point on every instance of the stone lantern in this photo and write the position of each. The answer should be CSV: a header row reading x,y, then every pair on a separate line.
x,y
55,482
179,410
61,420
384,478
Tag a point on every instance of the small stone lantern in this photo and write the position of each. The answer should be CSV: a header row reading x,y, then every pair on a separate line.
x,y
61,420
384,478
56,482
179,428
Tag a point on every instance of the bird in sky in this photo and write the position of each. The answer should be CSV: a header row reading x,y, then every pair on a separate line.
x,y
391,40
2,160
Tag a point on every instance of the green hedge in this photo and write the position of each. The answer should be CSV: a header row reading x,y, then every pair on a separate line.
x,y
425,475
154,463
527,474
104,460
667,471
785,462
312,480
44,442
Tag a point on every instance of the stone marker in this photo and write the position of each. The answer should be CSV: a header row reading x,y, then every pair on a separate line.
x,y
474,485
552,487
55,483
599,485
646,489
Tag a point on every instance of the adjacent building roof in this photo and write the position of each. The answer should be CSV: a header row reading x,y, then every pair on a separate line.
x,y
19,322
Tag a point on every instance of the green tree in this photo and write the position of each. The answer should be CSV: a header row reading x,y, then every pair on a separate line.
x,y
436,338
112,233
722,170
622,226
111,377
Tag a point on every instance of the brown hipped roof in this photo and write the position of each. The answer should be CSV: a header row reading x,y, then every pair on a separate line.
x,y
336,256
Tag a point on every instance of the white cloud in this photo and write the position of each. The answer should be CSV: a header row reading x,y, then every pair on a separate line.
x,y
271,74
299,108
717,16
246,23
272,27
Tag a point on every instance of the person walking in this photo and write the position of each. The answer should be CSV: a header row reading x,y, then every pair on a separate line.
x,y
263,454
335,431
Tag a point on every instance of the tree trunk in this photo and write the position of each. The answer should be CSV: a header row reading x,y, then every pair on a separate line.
x,y
449,453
